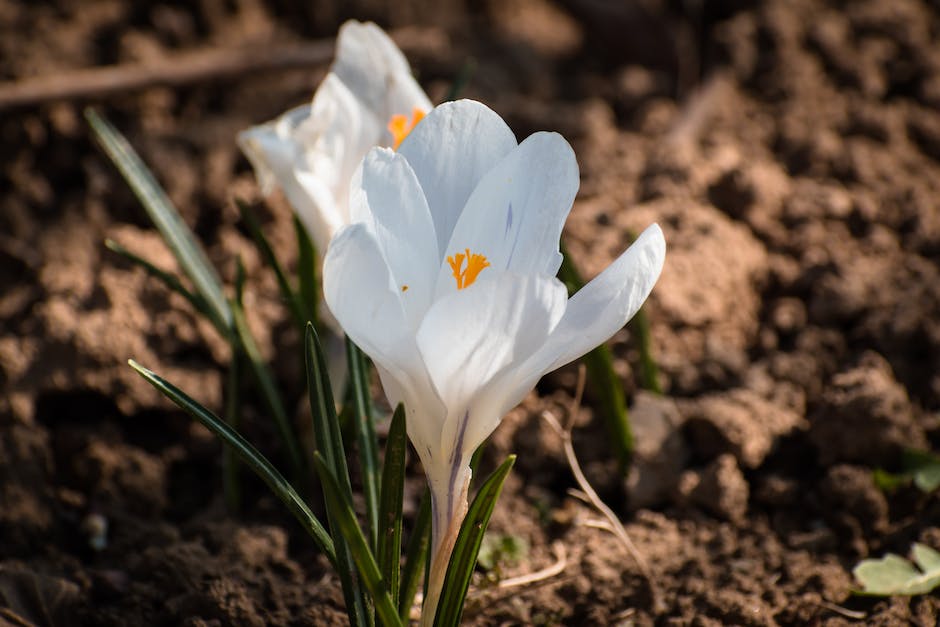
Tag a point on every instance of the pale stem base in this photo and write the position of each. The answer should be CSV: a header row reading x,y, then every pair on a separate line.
x,y
449,507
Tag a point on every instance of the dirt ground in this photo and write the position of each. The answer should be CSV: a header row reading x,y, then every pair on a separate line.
x,y
790,149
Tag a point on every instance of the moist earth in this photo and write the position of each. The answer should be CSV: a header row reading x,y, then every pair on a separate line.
x,y
790,150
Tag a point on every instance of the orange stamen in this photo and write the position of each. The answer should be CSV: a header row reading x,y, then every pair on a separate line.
x,y
399,126
475,264
404,288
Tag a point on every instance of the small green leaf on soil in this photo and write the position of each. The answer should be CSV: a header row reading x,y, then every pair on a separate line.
x,y
501,547
893,574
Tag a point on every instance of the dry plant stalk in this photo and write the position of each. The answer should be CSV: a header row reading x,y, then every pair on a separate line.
x,y
616,527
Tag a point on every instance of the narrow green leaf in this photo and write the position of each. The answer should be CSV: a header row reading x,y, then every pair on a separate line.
x,y
167,219
325,423
170,281
415,557
329,441
892,574
249,454
267,386
602,380
240,278
365,436
306,270
607,387
475,478
464,558
649,371
391,503
345,518
291,297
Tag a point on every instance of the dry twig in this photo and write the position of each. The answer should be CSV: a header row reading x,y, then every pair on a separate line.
x,y
174,71
564,432
561,562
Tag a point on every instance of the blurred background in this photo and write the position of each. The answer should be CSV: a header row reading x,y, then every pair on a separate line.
x,y
789,148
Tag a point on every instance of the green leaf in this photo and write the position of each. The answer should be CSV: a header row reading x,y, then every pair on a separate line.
x,y
649,371
325,423
167,219
920,467
607,387
467,547
249,454
345,520
292,299
927,478
603,382
365,436
268,387
888,481
893,574
306,270
415,557
392,501
502,547
923,467
170,281
329,441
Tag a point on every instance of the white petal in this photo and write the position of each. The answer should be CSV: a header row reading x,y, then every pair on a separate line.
x,y
516,213
386,197
593,315
359,291
316,205
604,305
338,134
424,411
468,337
374,69
272,149
450,151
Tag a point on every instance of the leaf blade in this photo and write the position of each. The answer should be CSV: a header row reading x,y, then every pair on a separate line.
x,y
267,386
330,450
467,547
169,280
156,203
359,548
391,501
415,557
291,297
894,575
306,270
249,454
365,436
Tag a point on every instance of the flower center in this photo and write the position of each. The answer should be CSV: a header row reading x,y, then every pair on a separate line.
x,y
475,264
399,126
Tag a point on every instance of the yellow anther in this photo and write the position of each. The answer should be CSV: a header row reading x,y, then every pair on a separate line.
x,y
399,126
475,264
404,288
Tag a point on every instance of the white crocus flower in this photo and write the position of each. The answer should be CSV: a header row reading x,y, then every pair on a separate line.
x,y
446,279
369,98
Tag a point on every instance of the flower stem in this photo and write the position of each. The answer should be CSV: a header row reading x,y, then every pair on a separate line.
x,y
448,509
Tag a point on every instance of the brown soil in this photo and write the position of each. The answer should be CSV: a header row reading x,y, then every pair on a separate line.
x,y
791,151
